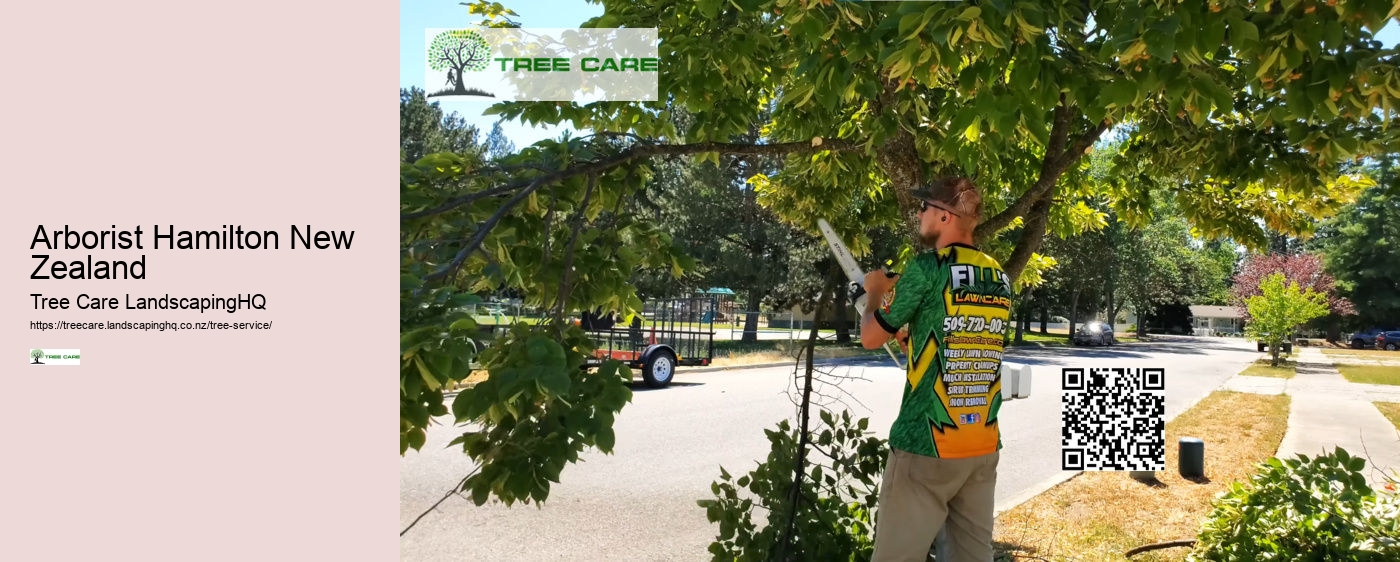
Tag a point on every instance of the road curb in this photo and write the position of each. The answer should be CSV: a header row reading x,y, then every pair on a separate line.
x,y
1036,490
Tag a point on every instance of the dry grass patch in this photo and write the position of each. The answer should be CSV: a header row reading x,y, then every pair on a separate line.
x,y
752,358
1261,368
1370,374
1101,515
1391,411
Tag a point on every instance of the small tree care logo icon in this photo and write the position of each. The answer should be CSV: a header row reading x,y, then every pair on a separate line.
x,y
52,357
458,51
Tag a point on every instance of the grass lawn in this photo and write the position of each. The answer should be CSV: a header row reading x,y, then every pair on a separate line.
x,y
1101,515
1261,368
729,354
1370,374
1391,411
1039,338
1380,355
1053,339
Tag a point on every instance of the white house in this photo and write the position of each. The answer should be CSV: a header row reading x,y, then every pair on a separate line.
x,y
1217,320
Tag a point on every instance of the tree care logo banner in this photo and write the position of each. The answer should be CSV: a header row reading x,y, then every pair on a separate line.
x,y
54,357
578,65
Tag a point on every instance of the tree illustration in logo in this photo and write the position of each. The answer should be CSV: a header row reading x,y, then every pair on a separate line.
x,y
457,51
36,354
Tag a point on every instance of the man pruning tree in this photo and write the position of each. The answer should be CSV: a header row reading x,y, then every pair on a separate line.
x,y
955,301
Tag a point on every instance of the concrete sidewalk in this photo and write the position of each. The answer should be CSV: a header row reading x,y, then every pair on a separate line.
x,y
1327,412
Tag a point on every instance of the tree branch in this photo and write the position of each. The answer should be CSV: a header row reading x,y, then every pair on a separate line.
x,y
1034,204
799,468
1160,546
566,279
743,244
481,233
646,151
458,53
459,202
450,493
1037,221
1059,135
1082,143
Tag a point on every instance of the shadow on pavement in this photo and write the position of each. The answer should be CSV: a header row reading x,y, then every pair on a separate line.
x,y
638,385
1030,355
1181,345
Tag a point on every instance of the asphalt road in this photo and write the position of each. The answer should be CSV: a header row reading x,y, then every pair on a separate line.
x,y
639,503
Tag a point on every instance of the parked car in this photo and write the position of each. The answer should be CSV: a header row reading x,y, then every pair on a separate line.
x,y
1093,333
1363,340
1389,341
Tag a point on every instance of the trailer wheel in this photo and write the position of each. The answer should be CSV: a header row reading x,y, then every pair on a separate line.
x,y
659,369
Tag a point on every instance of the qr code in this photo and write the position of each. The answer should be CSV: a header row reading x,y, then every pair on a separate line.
x,y
1113,419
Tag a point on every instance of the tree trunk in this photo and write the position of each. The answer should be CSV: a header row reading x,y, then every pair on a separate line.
x,y
1023,317
1118,307
1112,312
751,322
1044,318
1073,312
1034,206
840,308
1273,350
899,159
461,84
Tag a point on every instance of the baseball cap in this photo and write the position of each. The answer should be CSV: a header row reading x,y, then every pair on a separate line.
x,y
954,194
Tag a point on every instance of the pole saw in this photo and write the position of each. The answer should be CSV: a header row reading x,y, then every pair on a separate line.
x,y
853,273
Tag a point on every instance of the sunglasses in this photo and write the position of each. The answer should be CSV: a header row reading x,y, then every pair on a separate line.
x,y
936,205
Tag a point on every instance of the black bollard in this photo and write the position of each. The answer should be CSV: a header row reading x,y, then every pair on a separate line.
x,y
1191,457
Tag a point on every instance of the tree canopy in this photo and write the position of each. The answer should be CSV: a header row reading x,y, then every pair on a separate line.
x,y
1305,270
1250,104
1239,112
1361,246
1279,308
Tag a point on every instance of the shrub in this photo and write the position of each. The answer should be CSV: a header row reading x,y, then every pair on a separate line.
x,y
839,492
1317,508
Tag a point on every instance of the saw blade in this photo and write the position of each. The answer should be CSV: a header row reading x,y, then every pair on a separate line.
x,y
842,253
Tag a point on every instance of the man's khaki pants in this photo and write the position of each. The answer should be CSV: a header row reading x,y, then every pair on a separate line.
x,y
919,494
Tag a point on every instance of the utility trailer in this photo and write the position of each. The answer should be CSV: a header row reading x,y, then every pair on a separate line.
x,y
667,334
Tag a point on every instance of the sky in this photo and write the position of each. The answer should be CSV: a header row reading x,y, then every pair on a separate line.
x,y
416,16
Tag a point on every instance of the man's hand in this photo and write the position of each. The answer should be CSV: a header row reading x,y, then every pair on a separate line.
x,y
877,283
903,338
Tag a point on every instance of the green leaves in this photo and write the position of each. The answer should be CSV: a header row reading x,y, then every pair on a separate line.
x,y
532,405
840,488
1302,508
1280,309
1119,93
1222,99
536,411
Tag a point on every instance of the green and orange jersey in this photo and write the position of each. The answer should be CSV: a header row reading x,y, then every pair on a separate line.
x,y
957,303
